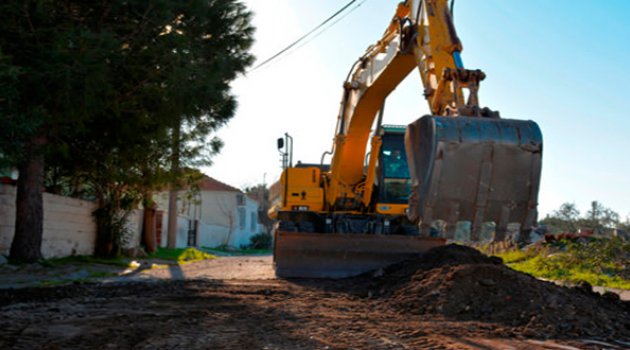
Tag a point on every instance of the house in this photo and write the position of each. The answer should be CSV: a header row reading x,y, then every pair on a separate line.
x,y
218,214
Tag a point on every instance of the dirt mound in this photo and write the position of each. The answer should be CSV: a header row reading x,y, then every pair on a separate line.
x,y
461,283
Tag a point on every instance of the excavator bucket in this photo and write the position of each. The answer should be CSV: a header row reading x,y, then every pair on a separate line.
x,y
475,170
335,255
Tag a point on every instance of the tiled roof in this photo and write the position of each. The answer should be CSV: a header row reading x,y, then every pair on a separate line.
x,y
211,184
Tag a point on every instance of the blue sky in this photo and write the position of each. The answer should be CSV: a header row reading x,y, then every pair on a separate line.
x,y
561,63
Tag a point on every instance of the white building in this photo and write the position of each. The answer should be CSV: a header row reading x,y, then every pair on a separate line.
x,y
218,215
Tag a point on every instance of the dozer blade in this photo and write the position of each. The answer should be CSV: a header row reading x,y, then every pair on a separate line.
x,y
477,170
334,255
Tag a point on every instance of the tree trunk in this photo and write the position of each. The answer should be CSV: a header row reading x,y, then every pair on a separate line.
x,y
29,211
172,196
149,230
171,237
105,247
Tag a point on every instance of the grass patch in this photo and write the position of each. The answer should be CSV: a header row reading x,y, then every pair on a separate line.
x,y
239,252
84,259
81,280
102,274
181,255
600,262
537,267
516,255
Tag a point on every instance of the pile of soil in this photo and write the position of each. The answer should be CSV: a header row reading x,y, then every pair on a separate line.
x,y
460,283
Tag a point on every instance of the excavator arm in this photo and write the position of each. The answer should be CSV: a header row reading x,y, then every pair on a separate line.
x,y
421,35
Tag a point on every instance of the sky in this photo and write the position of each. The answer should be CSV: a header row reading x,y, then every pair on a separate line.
x,y
561,63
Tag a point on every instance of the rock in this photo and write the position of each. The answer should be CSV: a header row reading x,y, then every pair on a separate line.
x,y
496,260
611,295
136,252
585,287
487,282
3,260
78,275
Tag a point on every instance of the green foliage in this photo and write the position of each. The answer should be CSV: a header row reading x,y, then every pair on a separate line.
x,y
601,262
567,219
109,84
225,250
597,255
563,220
600,218
261,241
111,221
192,255
181,255
517,255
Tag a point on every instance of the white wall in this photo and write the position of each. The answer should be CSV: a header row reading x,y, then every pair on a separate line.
x,y
242,235
211,235
181,239
218,210
218,217
69,228
135,221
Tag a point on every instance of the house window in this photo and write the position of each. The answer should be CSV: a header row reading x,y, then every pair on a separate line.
x,y
193,226
240,199
253,221
242,219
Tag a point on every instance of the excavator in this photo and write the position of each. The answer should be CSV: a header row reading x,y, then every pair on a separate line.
x,y
460,168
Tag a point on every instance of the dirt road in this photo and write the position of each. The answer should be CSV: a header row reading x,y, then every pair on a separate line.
x,y
224,268
236,303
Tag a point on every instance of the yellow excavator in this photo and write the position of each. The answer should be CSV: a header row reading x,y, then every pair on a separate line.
x,y
460,168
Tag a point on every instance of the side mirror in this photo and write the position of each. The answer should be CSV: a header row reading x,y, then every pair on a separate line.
x,y
280,143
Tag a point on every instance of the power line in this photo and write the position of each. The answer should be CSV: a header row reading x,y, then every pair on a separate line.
x,y
316,35
270,59
331,24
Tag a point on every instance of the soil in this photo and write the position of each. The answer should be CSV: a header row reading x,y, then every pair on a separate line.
x,y
460,283
451,298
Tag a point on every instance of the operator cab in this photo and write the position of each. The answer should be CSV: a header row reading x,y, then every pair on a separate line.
x,y
394,183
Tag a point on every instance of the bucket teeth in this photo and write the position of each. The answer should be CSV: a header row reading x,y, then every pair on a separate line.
x,y
474,169
451,225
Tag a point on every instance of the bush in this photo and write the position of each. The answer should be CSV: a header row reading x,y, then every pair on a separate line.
x,y
181,255
598,261
261,241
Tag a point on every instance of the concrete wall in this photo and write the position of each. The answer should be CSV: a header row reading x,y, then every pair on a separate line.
x,y
69,228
